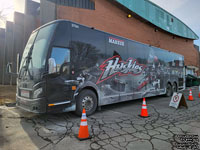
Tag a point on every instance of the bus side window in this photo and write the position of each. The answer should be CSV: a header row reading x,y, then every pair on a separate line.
x,y
87,48
138,52
116,46
62,59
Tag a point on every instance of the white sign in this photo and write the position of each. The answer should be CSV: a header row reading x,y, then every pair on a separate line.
x,y
116,41
177,100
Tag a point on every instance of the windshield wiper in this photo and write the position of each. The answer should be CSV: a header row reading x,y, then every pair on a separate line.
x,y
25,67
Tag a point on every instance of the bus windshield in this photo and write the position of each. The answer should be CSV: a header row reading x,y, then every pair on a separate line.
x,y
35,53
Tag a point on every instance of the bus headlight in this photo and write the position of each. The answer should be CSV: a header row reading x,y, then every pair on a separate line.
x,y
37,92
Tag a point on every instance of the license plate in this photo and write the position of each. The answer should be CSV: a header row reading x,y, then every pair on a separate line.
x,y
25,93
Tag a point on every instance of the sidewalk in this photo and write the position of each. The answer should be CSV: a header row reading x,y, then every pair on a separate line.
x,y
7,94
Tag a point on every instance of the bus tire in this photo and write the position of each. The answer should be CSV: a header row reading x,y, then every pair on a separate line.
x,y
168,90
87,99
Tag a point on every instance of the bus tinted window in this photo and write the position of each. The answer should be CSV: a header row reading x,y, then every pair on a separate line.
x,y
162,55
62,57
116,46
138,51
88,37
87,48
62,35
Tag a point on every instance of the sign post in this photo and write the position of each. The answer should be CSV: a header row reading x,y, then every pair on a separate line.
x,y
178,100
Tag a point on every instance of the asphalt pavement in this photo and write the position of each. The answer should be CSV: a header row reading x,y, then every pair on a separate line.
x,y
114,127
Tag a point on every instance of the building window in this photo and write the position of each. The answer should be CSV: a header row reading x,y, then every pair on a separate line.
x,y
86,4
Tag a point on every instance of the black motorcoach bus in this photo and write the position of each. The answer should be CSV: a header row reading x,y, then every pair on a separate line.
x,y
67,66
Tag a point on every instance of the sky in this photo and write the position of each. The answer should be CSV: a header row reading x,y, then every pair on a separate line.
x,y
188,11
9,6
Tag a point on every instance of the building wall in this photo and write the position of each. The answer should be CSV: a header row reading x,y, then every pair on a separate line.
x,y
108,17
2,54
47,11
12,42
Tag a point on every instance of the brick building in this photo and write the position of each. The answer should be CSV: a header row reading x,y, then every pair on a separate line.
x,y
148,23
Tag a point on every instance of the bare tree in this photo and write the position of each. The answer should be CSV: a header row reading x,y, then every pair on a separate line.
x,y
2,16
4,12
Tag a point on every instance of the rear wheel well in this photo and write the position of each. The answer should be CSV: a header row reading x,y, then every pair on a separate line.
x,y
168,89
175,83
169,83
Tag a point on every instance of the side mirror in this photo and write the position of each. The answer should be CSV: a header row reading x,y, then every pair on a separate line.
x,y
9,69
52,66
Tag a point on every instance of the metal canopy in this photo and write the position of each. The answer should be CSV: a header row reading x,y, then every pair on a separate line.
x,y
159,17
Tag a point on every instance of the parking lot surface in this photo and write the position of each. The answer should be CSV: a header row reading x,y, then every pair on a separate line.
x,y
116,126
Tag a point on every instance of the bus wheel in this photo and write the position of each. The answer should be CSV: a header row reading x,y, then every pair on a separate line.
x,y
174,87
168,90
88,100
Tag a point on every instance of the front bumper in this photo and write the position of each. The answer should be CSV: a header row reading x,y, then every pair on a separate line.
x,y
32,105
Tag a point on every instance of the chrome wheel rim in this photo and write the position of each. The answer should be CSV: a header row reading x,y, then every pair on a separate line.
x,y
87,103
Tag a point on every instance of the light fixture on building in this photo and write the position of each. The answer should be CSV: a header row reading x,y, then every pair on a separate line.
x,y
174,37
155,29
129,16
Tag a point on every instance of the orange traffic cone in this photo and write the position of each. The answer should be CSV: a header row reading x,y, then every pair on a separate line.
x,y
190,96
144,112
83,130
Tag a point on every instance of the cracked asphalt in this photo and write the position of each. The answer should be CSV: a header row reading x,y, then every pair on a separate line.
x,y
116,126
